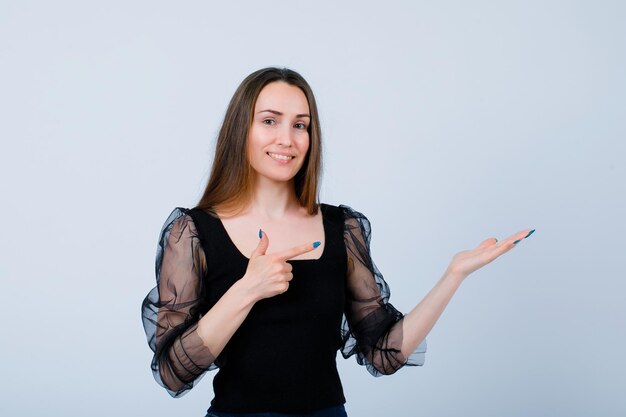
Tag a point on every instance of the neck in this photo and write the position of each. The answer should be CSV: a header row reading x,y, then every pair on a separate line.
x,y
273,200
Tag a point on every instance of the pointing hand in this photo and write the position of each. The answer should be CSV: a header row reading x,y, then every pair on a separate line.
x,y
269,275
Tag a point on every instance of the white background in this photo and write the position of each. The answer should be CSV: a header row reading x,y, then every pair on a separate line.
x,y
444,122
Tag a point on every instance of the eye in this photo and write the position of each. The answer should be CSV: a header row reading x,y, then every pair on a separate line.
x,y
300,126
269,122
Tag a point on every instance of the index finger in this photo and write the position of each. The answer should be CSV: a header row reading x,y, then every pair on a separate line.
x,y
516,237
296,250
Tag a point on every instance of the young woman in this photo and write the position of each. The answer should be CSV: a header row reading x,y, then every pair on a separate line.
x,y
266,284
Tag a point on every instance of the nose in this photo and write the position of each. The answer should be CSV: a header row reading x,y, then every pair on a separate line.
x,y
283,136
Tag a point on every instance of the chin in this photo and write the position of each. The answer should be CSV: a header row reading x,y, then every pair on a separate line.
x,y
274,176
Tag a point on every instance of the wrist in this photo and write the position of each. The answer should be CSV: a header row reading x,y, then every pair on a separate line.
x,y
454,276
243,294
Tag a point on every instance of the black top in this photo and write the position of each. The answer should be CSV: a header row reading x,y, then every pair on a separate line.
x,y
282,357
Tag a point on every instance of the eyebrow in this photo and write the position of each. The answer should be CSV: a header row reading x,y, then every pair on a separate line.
x,y
276,112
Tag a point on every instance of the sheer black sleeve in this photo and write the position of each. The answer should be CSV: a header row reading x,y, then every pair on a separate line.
x,y
372,327
170,312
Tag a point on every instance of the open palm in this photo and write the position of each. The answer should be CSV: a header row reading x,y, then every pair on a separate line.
x,y
468,261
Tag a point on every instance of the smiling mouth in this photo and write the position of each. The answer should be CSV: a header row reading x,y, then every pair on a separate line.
x,y
280,157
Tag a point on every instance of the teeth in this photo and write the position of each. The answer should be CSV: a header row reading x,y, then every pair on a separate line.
x,y
282,157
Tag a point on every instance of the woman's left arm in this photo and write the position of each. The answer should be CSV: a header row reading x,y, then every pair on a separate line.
x,y
418,323
383,338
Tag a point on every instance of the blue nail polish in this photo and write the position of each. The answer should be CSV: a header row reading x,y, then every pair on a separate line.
x,y
530,233
496,239
515,243
260,234
316,244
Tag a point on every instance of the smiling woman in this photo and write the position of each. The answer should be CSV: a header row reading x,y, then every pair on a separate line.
x,y
272,318
278,141
233,192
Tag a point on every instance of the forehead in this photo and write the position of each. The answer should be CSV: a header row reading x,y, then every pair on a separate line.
x,y
282,97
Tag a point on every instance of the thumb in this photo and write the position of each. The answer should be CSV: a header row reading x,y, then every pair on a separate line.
x,y
264,242
488,242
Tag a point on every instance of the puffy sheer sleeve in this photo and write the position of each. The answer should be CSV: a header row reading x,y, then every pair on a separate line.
x,y
372,327
171,311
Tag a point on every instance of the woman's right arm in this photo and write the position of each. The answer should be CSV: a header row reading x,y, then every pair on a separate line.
x,y
186,347
171,311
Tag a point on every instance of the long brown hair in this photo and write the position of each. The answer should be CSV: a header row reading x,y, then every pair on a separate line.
x,y
230,183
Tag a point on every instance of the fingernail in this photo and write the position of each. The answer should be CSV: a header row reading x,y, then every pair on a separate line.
x,y
515,243
316,244
530,233
496,239
260,234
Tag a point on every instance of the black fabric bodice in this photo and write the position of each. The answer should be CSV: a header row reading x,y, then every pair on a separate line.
x,y
283,357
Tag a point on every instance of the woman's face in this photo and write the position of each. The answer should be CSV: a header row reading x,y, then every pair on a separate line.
x,y
278,140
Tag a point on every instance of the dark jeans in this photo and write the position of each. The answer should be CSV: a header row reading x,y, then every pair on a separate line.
x,y
338,411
